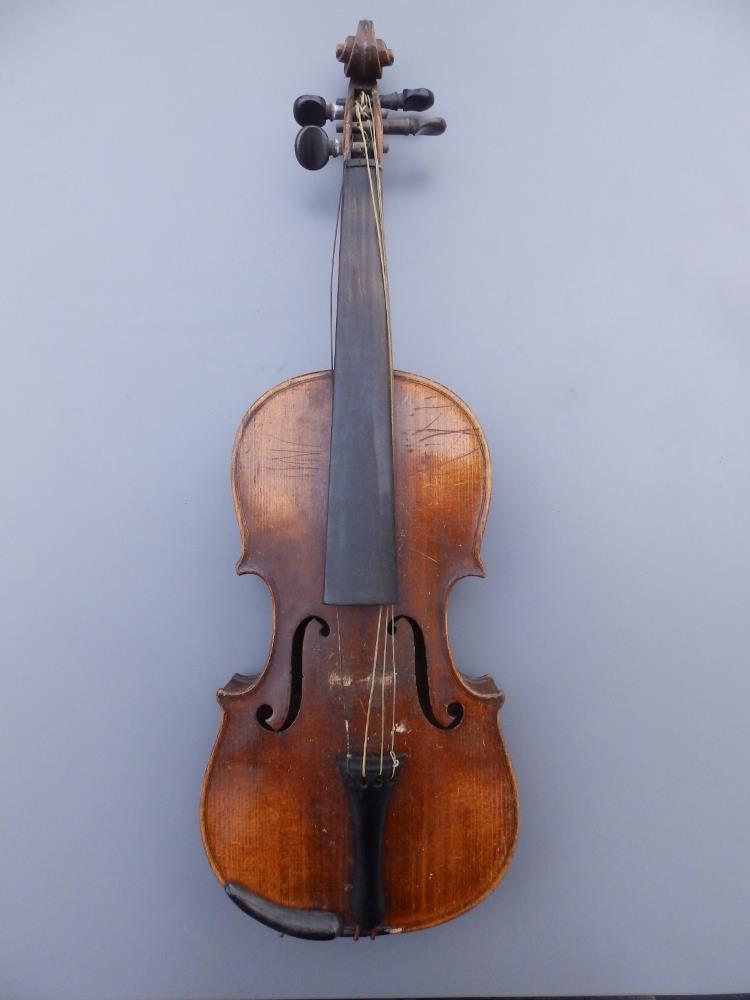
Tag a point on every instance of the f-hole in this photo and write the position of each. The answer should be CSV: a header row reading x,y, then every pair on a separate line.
x,y
421,675
265,712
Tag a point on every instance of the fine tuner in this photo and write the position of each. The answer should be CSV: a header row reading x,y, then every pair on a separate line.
x,y
313,147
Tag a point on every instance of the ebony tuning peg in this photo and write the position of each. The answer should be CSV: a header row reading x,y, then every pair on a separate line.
x,y
414,126
408,100
411,125
309,109
313,147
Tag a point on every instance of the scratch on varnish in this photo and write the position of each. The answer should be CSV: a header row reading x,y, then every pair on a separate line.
x,y
458,458
418,430
295,461
295,444
439,432
421,553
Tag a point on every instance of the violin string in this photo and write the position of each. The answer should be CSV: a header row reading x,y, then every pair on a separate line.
x,y
382,695
372,688
383,259
380,220
343,695
336,242
383,253
332,317
364,103
392,751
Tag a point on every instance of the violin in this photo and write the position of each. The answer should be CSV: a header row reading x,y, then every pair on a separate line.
x,y
360,784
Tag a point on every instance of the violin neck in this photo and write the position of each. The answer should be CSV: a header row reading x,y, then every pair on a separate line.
x,y
360,563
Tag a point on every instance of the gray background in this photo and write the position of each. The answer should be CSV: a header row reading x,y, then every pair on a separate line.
x,y
572,259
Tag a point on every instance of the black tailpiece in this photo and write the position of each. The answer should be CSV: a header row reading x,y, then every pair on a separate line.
x,y
369,796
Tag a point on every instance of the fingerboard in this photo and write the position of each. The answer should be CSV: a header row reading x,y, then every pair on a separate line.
x,y
360,564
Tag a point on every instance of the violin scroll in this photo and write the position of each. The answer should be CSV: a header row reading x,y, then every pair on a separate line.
x,y
361,118
364,55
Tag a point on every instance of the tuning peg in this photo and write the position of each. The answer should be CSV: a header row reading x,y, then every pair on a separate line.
x,y
309,109
408,100
313,147
411,125
414,126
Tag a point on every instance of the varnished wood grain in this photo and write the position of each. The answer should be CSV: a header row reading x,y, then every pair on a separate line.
x,y
273,812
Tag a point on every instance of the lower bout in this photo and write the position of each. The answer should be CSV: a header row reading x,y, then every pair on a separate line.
x,y
296,846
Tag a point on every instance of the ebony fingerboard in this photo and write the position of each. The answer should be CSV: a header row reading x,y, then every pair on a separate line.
x,y
360,565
